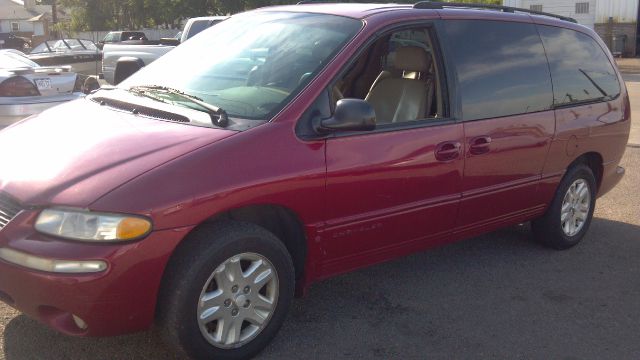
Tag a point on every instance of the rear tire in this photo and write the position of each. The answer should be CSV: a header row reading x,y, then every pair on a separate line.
x,y
218,264
568,217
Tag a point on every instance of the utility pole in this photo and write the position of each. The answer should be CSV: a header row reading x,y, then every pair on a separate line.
x,y
54,12
54,16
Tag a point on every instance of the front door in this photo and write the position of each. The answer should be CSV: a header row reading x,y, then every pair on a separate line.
x,y
396,189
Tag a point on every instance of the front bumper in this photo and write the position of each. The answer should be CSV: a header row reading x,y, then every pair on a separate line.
x,y
13,110
119,300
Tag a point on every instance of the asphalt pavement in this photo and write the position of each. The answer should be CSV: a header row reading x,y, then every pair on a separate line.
x,y
500,295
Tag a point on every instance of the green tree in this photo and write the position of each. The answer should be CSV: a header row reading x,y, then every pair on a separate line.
x,y
134,14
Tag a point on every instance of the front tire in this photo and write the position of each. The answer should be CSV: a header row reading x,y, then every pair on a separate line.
x,y
568,217
226,291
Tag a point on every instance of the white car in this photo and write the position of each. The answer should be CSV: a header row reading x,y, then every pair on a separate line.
x,y
27,88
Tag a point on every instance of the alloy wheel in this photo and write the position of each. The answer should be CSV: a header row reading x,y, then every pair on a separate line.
x,y
575,207
238,300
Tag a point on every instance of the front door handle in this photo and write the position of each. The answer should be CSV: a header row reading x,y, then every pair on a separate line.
x,y
448,150
480,145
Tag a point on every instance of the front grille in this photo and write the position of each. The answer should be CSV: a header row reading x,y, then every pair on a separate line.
x,y
9,208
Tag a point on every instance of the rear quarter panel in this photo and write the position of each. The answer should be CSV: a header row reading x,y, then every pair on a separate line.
x,y
602,128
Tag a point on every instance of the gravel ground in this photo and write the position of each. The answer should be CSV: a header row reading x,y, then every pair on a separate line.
x,y
495,296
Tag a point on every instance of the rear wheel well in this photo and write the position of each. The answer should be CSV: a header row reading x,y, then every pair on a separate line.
x,y
595,162
281,222
125,67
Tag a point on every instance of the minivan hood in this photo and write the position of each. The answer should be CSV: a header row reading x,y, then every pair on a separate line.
x,y
75,153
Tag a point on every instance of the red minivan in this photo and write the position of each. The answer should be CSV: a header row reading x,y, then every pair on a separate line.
x,y
290,144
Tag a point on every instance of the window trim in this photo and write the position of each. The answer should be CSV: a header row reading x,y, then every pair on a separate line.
x,y
17,26
445,83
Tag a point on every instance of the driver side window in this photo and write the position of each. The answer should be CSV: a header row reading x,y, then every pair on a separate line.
x,y
398,76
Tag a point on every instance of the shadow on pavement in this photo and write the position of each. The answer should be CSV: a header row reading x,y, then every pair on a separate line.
x,y
498,295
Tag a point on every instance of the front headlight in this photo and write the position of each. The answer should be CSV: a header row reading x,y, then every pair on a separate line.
x,y
90,226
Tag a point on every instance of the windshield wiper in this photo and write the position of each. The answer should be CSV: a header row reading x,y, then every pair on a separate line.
x,y
219,117
600,89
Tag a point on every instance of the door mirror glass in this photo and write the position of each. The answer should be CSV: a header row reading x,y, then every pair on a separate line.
x,y
349,115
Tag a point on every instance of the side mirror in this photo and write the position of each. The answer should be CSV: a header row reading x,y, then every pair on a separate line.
x,y
350,115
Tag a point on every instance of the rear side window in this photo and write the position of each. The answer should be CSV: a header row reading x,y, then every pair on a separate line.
x,y
580,69
501,68
110,37
197,27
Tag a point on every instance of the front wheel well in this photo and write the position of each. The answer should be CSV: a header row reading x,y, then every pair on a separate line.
x,y
280,221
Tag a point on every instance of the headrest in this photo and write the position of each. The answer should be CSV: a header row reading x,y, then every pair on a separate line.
x,y
411,58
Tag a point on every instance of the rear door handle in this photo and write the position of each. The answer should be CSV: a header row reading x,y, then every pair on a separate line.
x,y
448,150
480,145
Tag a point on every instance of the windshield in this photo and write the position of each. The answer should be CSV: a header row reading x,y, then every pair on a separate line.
x,y
252,64
112,36
89,45
9,60
40,48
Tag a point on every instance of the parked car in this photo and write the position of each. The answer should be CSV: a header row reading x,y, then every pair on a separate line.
x,y
82,55
134,38
114,37
196,25
27,88
291,144
122,60
12,41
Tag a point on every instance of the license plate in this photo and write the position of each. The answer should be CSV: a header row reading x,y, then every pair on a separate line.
x,y
43,84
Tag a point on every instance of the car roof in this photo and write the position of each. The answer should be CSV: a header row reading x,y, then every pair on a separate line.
x,y
362,11
209,18
353,10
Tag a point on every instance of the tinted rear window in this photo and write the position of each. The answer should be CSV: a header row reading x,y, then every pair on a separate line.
x,y
580,69
197,27
501,68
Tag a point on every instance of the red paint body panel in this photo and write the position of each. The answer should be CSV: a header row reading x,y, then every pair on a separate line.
x,y
388,190
361,199
87,158
504,180
119,300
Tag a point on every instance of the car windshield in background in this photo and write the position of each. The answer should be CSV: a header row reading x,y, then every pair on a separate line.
x,y
64,46
9,60
252,64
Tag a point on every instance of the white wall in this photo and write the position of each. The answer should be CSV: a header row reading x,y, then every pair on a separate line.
x,y
25,26
38,29
622,11
562,7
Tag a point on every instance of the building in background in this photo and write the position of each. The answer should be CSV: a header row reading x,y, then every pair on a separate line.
x,y
25,19
616,21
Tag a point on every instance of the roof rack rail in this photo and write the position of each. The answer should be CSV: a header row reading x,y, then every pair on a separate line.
x,y
442,5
